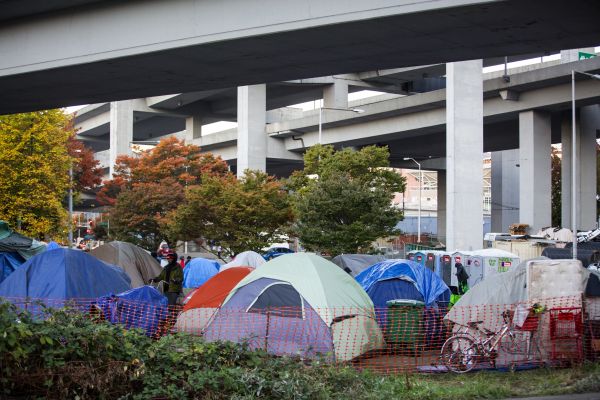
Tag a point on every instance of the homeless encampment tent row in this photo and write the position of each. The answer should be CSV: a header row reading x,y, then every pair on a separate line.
x,y
135,261
299,304
63,274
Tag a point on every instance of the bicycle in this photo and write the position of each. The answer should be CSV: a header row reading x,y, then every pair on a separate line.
x,y
463,351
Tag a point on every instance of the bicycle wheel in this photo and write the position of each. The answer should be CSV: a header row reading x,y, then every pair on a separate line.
x,y
460,353
515,342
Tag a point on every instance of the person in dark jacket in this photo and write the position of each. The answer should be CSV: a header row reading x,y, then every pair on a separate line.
x,y
172,276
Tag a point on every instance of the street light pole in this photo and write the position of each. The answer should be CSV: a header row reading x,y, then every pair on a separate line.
x,y
354,110
70,236
420,188
574,159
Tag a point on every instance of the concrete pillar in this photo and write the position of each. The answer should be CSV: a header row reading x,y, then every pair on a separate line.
x,y
193,129
464,152
587,125
252,139
441,206
505,189
567,56
535,206
336,95
121,130
590,123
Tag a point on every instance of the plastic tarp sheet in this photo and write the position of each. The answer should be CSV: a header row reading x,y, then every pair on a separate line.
x,y
198,271
9,262
354,264
135,261
15,242
143,307
64,274
429,285
245,259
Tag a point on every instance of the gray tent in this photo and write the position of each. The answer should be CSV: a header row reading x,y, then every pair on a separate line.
x,y
135,261
354,264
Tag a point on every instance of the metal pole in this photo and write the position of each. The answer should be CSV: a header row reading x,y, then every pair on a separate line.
x,y
573,167
419,216
70,236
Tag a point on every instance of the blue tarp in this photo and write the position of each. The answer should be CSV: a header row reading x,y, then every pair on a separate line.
x,y
404,279
64,274
406,276
9,262
198,271
143,307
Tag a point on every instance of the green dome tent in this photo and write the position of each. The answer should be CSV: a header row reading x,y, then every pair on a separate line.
x,y
299,304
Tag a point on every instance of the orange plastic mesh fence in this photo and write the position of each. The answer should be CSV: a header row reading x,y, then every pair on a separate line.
x,y
398,338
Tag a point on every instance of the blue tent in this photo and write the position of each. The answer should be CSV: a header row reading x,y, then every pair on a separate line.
x,y
143,307
9,262
64,274
198,271
404,279
52,245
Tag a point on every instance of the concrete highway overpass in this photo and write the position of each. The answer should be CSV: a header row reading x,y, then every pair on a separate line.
x,y
64,52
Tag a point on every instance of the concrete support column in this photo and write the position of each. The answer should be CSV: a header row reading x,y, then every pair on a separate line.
x,y
505,189
441,206
252,139
590,123
535,206
464,152
121,130
193,129
587,125
336,95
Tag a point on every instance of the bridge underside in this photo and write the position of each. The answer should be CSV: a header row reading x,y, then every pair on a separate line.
x,y
450,34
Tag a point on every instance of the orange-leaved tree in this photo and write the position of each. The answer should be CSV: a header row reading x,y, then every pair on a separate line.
x,y
145,188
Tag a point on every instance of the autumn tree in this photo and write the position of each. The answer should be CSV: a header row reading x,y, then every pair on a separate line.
x,y
87,173
343,199
145,188
245,214
34,164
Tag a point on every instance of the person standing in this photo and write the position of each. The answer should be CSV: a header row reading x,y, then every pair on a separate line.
x,y
172,276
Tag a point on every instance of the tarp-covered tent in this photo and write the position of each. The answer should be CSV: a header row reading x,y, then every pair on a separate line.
x,y
553,283
198,271
354,264
206,300
406,280
15,242
135,261
64,274
245,259
143,307
9,262
299,304
52,245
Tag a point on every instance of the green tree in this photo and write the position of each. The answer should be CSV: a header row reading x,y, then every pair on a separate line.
x,y
34,165
556,188
343,199
244,214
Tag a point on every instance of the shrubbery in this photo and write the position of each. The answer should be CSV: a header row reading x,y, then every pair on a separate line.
x,y
65,354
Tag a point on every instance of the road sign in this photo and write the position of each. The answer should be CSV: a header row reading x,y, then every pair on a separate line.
x,y
585,56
